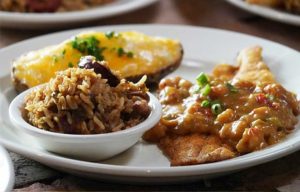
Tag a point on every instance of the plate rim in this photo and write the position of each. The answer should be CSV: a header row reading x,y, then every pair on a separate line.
x,y
10,168
270,13
110,169
155,25
112,9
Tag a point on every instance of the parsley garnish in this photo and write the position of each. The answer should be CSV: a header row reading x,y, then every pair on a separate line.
x,y
129,54
120,51
70,64
110,34
90,46
55,59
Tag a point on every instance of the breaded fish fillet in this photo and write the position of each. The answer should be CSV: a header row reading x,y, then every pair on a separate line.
x,y
195,149
252,68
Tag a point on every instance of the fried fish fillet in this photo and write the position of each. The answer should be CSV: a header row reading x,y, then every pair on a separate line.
x,y
252,68
201,148
195,149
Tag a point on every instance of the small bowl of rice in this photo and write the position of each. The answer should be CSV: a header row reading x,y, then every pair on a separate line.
x,y
82,115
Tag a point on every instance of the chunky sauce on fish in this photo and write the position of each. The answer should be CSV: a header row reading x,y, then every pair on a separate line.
x,y
244,116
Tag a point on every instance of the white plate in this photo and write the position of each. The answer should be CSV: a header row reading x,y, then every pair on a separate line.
x,y
6,171
144,162
267,12
54,20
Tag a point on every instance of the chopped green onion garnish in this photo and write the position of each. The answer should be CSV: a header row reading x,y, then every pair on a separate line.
x,y
202,79
206,90
231,88
63,52
110,34
215,102
216,108
205,103
196,89
270,97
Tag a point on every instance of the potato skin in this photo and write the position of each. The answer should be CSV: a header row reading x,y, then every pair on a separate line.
x,y
19,86
152,78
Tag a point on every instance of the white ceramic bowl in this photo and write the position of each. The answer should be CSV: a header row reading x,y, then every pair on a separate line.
x,y
86,147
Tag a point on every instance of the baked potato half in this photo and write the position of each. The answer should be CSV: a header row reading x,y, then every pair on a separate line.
x,y
130,54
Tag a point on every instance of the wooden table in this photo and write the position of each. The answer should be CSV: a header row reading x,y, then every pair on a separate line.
x,y
279,175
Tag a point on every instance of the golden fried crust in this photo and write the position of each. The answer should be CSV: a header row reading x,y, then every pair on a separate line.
x,y
224,71
194,149
252,67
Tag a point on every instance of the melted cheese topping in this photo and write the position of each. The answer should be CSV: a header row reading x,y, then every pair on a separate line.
x,y
150,55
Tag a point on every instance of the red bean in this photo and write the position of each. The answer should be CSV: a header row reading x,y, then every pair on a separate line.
x,y
89,62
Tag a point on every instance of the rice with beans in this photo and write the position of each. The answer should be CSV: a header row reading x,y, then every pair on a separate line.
x,y
79,101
